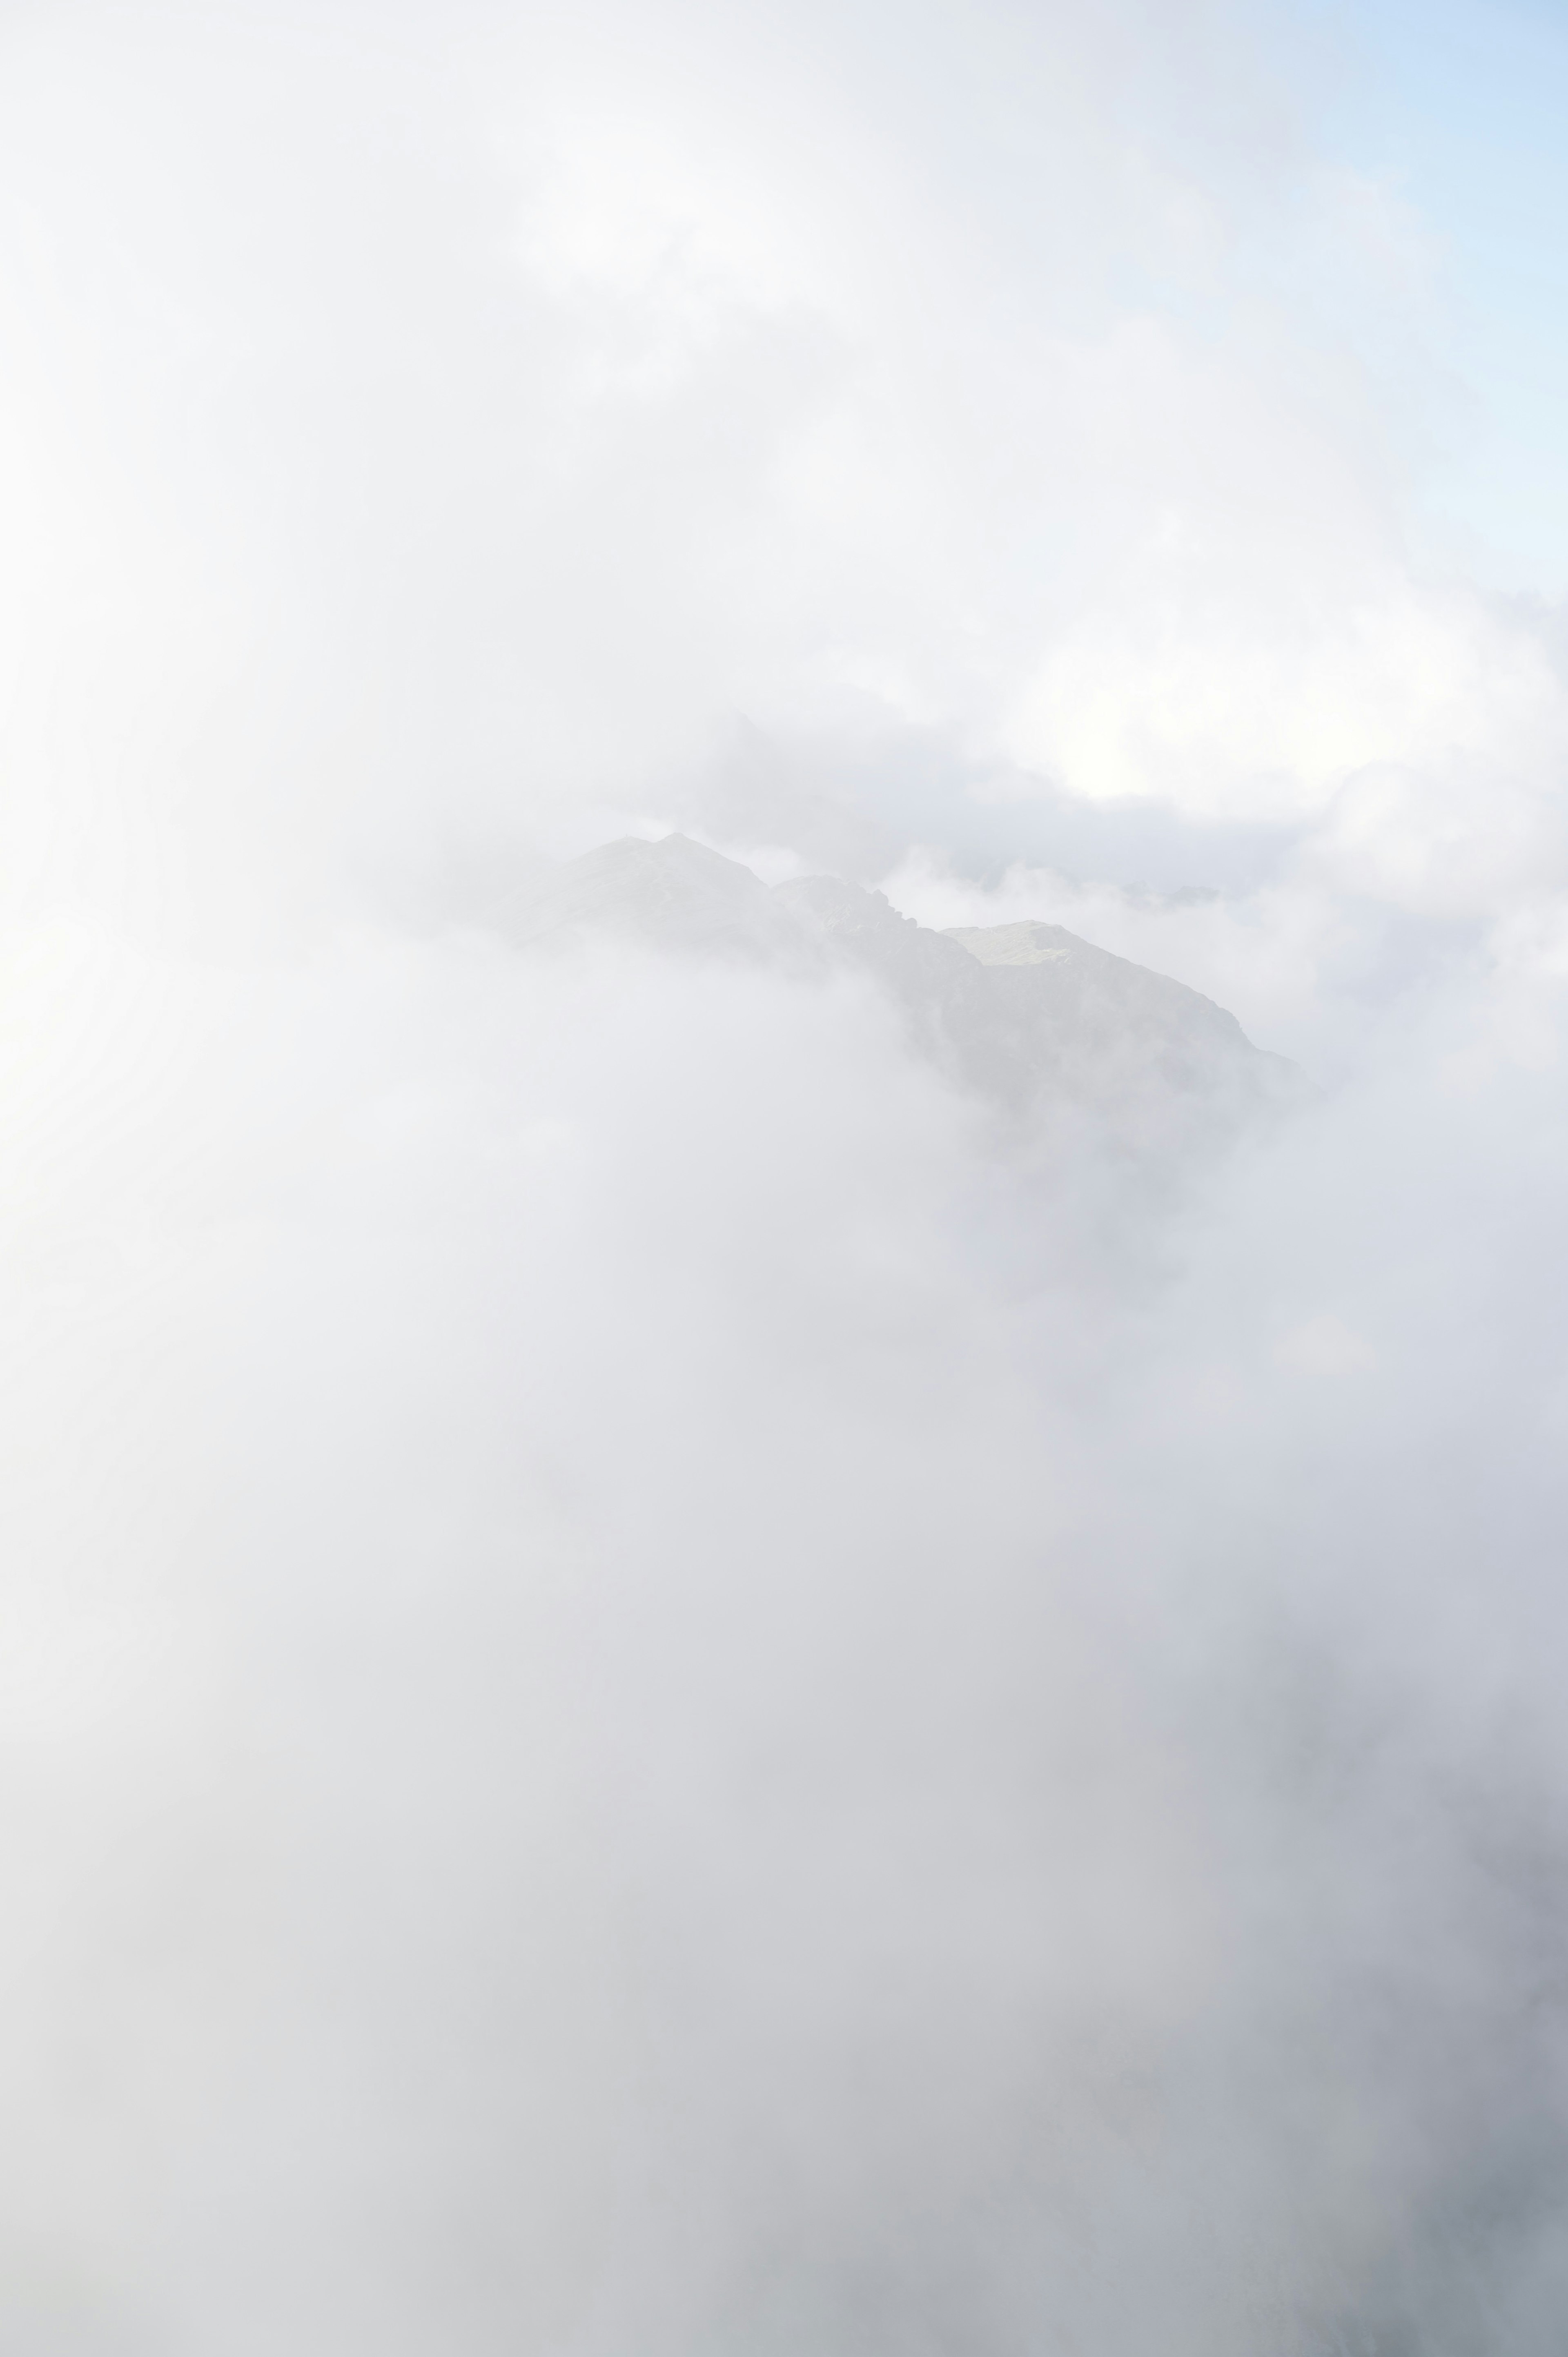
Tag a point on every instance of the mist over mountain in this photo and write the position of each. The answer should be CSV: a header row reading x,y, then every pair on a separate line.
x,y
1028,1017
783,1146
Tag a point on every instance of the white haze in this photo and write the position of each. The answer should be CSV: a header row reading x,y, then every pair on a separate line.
x,y
652,1703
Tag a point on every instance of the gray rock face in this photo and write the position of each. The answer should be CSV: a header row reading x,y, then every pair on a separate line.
x,y
1028,1017
1078,1004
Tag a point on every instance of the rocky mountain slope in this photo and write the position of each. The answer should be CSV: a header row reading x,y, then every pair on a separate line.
x,y
1028,1017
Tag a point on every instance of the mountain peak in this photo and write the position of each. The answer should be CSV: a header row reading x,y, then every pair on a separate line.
x,y
1024,1014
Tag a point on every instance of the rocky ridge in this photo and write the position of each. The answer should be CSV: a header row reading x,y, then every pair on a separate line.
x,y
1028,1017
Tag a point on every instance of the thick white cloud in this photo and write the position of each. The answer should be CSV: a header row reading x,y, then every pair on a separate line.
x,y
648,1701
439,424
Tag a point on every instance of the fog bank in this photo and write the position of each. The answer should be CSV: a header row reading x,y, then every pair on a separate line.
x,y
661,1691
